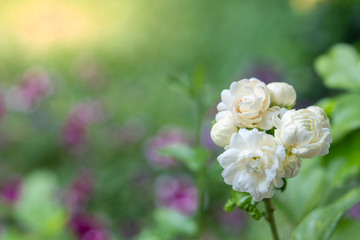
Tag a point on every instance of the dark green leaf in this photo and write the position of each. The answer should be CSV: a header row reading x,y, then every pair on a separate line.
x,y
320,223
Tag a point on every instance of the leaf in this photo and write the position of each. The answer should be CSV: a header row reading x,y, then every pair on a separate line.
x,y
245,202
192,158
321,223
340,68
38,209
174,223
345,115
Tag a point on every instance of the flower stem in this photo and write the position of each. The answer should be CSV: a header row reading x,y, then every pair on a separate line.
x,y
270,218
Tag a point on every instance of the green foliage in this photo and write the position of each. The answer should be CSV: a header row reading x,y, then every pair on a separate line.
x,y
169,224
339,68
245,202
193,158
38,209
321,223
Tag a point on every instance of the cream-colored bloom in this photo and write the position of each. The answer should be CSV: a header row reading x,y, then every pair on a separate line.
x,y
292,165
247,104
222,131
321,114
252,163
304,133
282,94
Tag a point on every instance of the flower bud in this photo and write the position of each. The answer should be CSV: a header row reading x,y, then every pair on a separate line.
x,y
292,165
222,131
282,94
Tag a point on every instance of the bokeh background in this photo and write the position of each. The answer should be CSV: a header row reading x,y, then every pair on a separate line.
x,y
87,100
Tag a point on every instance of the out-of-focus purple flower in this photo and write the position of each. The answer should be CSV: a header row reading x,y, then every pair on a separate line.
x,y
355,211
266,72
206,139
164,139
80,190
130,132
177,193
74,131
35,85
87,227
234,221
10,190
95,235
2,107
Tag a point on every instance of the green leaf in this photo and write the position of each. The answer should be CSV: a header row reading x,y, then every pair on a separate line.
x,y
229,205
37,208
345,115
192,158
245,202
340,68
321,223
173,223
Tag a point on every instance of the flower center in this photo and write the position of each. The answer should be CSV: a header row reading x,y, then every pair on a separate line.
x,y
254,164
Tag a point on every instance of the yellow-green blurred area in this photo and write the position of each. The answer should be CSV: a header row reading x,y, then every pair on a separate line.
x,y
91,90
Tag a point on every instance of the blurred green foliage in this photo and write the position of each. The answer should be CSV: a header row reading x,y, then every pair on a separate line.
x,y
140,53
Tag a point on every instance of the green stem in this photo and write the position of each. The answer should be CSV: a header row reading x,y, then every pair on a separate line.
x,y
201,173
270,218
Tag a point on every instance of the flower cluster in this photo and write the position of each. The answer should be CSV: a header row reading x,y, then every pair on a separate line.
x,y
264,138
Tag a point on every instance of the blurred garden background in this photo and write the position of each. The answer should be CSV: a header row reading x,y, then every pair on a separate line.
x,y
92,93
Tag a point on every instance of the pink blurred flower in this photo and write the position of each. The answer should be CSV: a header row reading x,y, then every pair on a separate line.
x,y
10,190
35,85
177,193
265,71
74,131
206,139
164,139
87,227
80,190
355,211
95,235
234,221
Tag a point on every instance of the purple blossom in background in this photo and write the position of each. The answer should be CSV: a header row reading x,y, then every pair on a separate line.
x,y
80,191
74,131
234,221
10,190
177,193
266,72
206,138
164,139
35,85
355,211
86,227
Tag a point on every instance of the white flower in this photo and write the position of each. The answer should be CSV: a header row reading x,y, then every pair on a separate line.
x,y
292,165
304,133
282,94
247,104
222,131
252,163
321,114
